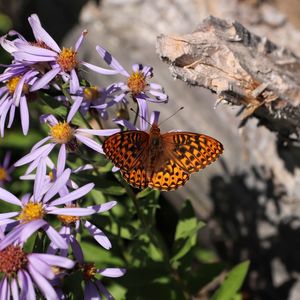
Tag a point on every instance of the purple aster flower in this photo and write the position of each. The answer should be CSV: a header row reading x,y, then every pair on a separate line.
x,y
65,135
94,286
6,169
71,225
136,84
34,209
22,273
63,62
14,94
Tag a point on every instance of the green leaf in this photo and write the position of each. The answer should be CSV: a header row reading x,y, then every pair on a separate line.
x,y
233,282
186,233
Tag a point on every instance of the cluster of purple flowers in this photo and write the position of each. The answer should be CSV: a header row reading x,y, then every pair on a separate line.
x,y
39,67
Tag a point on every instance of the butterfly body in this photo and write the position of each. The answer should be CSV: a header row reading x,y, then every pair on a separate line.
x,y
160,161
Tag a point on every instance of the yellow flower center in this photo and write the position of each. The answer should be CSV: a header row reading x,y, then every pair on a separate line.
x,y
51,176
3,174
67,59
89,271
137,83
31,211
91,93
62,133
12,85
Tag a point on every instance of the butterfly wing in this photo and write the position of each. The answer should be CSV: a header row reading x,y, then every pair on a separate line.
x,y
168,177
126,149
191,151
136,177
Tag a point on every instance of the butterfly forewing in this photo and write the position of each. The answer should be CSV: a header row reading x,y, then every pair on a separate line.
x,y
192,151
126,149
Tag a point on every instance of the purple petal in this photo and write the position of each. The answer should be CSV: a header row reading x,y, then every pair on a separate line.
x,y
43,81
40,266
160,96
9,197
83,168
30,228
41,34
43,284
11,115
105,292
11,237
40,143
101,132
154,117
6,160
98,235
35,50
74,82
24,115
155,86
27,289
100,70
91,292
18,91
8,215
143,107
112,272
59,183
23,56
111,61
48,118
74,195
77,251
55,260
34,155
74,211
104,207
80,40
126,123
4,288
61,160
74,108
39,180
14,289
56,238
90,143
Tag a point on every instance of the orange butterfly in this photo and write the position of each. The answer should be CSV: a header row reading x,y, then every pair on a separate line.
x,y
160,161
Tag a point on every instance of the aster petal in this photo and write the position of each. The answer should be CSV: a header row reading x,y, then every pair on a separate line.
x,y
55,237
91,292
111,61
40,143
104,207
82,191
11,115
155,86
7,45
154,117
159,96
101,132
6,160
143,108
8,221
40,266
11,237
43,284
24,56
30,228
98,235
80,40
72,211
24,115
77,251
100,70
43,81
112,272
59,183
90,143
34,155
39,180
35,50
105,292
27,289
9,197
74,108
18,91
3,116
48,118
41,34
83,168
4,288
55,260
8,215
74,82
14,289
126,124
61,160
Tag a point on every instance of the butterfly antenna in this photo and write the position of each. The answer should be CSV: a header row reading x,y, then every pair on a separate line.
x,y
179,109
140,116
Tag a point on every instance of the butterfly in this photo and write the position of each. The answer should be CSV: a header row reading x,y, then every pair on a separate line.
x,y
160,161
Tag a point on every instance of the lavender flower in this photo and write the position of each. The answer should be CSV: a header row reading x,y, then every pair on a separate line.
x,y
63,134
22,272
136,84
63,62
6,169
18,79
34,209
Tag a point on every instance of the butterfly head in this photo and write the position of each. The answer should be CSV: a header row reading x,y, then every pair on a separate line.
x,y
154,130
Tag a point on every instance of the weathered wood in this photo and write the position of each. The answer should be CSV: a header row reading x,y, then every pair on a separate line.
x,y
241,68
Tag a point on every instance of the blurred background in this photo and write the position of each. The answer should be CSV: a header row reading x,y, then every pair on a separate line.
x,y
250,199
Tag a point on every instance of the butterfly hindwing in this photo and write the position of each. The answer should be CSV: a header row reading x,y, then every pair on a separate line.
x,y
192,151
126,148
168,177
